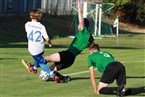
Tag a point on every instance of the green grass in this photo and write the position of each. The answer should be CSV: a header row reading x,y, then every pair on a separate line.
x,y
15,81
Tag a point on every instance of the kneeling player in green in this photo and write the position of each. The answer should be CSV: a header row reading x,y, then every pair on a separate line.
x,y
111,70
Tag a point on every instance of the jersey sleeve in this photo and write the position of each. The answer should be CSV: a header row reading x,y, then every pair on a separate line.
x,y
26,27
44,34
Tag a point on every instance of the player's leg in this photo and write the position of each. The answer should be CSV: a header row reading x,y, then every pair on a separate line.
x,y
66,60
134,91
36,64
104,89
58,66
103,86
53,58
42,62
63,79
47,69
107,78
37,60
120,79
121,82
33,68
30,67
100,87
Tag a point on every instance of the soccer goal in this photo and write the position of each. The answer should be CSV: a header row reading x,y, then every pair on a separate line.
x,y
96,12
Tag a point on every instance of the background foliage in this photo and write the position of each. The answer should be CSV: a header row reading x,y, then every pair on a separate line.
x,y
130,11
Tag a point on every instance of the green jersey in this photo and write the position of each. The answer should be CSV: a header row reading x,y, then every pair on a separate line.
x,y
80,41
100,60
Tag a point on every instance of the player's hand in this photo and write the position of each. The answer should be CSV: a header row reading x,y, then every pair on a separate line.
x,y
50,45
79,7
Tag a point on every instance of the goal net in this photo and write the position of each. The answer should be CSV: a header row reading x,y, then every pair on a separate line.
x,y
98,15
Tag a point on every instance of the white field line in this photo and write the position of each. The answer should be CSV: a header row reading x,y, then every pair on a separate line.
x,y
82,72
77,73
133,61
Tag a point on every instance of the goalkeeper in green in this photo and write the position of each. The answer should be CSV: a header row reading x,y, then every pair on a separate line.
x,y
65,59
111,70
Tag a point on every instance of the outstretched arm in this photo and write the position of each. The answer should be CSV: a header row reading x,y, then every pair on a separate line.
x,y
80,17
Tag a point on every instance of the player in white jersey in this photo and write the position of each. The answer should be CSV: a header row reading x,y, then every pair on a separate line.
x,y
36,33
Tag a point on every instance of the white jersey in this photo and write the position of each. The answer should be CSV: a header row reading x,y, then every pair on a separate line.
x,y
35,34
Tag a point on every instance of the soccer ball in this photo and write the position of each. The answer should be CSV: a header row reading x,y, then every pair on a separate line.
x,y
44,76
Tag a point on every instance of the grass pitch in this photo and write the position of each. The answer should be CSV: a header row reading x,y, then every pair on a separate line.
x,y
15,81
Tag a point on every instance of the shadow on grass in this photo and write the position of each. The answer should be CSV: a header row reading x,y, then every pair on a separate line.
x,y
122,47
15,45
8,58
7,45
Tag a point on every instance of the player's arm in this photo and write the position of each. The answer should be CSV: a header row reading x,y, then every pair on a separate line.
x,y
92,78
46,37
80,17
49,42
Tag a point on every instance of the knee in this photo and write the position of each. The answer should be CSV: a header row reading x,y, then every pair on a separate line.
x,y
47,58
101,91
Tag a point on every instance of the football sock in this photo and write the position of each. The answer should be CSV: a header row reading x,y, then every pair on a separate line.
x,y
108,90
34,67
134,91
129,91
47,69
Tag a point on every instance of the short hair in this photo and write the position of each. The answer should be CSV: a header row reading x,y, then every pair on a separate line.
x,y
94,46
86,23
35,14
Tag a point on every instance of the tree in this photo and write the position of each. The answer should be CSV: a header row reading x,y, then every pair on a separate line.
x,y
135,12
131,11
116,2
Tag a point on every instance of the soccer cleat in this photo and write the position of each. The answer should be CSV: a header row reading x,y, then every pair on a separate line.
x,y
29,66
31,69
119,90
66,79
57,79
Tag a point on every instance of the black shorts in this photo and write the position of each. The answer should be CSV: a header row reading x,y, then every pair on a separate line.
x,y
114,70
66,60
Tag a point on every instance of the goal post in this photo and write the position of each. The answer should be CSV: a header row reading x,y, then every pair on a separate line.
x,y
85,10
94,11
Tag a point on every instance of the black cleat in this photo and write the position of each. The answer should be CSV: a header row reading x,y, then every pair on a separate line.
x,y
119,91
66,79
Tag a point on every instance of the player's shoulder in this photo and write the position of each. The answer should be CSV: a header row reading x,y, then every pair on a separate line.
x,y
27,22
40,24
107,52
